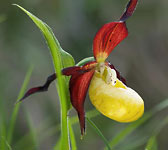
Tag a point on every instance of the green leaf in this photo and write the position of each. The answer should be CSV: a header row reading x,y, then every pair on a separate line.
x,y
60,58
99,133
85,60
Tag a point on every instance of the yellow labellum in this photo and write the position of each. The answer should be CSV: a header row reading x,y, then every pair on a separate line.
x,y
117,102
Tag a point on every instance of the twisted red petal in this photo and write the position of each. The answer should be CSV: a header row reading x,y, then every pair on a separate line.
x,y
42,88
129,10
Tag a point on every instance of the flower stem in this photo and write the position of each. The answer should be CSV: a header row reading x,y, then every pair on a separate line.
x,y
64,123
64,143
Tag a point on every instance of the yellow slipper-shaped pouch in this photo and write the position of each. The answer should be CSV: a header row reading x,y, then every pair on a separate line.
x,y
117,102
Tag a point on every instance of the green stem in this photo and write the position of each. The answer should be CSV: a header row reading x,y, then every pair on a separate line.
x,y
64,145
64,127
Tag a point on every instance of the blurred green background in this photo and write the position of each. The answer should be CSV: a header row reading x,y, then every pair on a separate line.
x,y
142,58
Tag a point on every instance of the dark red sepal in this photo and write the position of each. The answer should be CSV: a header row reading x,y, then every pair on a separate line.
x,y
79,69
129,10
71,70
37,89
118,73
78,86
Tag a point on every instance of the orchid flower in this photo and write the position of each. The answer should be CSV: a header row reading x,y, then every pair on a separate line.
x,y
108,91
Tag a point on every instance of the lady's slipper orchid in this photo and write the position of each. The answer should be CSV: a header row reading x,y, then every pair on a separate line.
x,y
108,91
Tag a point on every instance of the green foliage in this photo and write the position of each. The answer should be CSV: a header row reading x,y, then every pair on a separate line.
x,y
85,60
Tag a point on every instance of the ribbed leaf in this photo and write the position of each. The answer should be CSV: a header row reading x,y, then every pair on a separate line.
x,y
61,59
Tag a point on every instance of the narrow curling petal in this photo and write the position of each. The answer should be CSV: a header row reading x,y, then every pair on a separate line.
x,y
42,88
107,38
71,70
79,84
129,10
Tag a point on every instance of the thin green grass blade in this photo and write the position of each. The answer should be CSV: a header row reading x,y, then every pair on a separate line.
x,y
131,127
72,136
60,60
48,131
152,144
2,124
16,108
5,143
99,133
135,144
126,131
2,137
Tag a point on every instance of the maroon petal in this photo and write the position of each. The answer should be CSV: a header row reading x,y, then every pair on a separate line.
x,y
79,70
118,74
107,38
37,89
129,10
71,70
79,84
